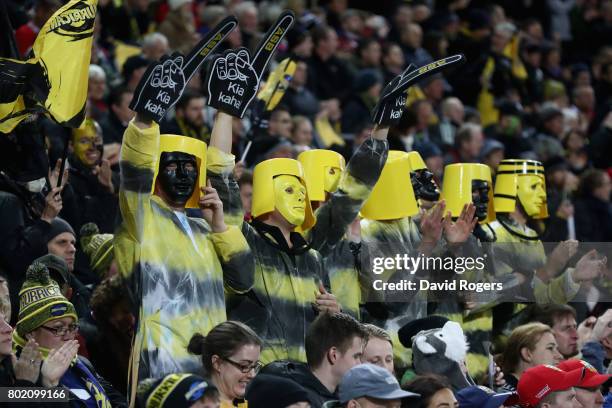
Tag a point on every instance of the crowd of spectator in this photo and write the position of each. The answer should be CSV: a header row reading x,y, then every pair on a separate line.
x,y
537,85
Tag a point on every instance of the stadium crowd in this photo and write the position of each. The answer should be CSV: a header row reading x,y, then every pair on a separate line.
x,y
217,252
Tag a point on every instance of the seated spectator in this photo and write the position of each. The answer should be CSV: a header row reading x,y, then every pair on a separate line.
x,y
177,391
154,46
189,117
99,249
379,348
132,71
179,26
230,358
334,344
245,182
411,43
468,144
91,179
575,142
528,346
96,92
596,346
270,391
393,61
592,207
48,319
110,349
492,154
443,133
483,397
366,91
299,99
547,143
588,391
544,386
434,392
301,134
434,160
119,115
370,386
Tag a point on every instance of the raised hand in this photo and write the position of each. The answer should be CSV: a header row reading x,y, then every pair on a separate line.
x,y
589,267
27,366
234,78
212,208
325,301
458,232
432,223
58,362
390,107
163,82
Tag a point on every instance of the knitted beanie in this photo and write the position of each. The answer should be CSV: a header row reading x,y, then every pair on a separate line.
x,y
174,390
40,301
98,247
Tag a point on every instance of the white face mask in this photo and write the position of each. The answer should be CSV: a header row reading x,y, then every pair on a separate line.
x,y
36,186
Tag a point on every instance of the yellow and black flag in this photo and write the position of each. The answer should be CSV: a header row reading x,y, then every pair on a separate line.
x,y
54,79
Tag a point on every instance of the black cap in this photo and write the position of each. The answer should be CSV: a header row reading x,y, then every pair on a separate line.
x,y
411,329
59,226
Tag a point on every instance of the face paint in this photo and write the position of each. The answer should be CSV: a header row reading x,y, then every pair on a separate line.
x,y
480,198
332,179
88,148
424,185
177,176
531,194
290,198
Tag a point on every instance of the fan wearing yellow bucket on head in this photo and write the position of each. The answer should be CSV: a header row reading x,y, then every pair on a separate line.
x,y
520,196
178,268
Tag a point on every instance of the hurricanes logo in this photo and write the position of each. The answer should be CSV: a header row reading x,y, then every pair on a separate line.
x,y
76,21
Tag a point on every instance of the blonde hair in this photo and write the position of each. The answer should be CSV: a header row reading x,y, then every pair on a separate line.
x,y
375,331
523,336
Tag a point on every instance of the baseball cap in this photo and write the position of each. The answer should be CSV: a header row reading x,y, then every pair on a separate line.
x,y
591,377
483,397
368,380
537,382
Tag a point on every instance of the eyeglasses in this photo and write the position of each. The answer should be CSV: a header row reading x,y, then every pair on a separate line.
x,y
61,331
245,368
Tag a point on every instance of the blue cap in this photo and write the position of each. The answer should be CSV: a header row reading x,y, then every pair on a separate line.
x,y
481,397
368,380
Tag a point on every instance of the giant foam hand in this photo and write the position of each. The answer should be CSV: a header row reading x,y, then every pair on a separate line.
x,y
164,81
390,107
234,77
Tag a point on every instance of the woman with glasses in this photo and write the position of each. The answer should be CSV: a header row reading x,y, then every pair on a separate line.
x,y
230,356
46,330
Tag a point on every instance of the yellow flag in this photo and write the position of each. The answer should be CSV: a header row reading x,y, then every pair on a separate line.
x,y
54,80
277,83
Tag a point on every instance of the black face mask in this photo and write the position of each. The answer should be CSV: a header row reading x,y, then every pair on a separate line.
x,y
480,198
178,182
424,185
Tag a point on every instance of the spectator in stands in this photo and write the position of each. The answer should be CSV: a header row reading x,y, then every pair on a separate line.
x,y
379,348
583,97
132,71
119,115
27,33
369,386
110,350
547,142
544,386
562,320
575,144
230,357
588,390
49,320
302,132
366,91
154,46
412,45
248,20
593,209
179,26
189,117
451,118
328,76
393,61
177,390
528,346
96,92
434,391
492,154
299,99
369,54
334,344
270,391
601,143
245,182
468,143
